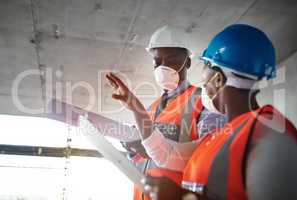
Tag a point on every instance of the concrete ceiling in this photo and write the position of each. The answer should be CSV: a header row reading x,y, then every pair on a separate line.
x,y
75,39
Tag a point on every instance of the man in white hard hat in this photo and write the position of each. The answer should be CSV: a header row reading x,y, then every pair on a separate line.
x,y
178,115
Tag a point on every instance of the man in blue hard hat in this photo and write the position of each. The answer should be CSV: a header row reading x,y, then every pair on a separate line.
x,y
255,155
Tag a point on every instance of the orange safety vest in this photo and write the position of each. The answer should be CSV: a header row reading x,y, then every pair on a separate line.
x,y
176,114
215,169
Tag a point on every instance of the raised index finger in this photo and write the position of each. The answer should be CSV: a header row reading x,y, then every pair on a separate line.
x,y
111,82
117,80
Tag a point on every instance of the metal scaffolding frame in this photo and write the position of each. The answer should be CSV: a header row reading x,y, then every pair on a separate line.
x,y
47,151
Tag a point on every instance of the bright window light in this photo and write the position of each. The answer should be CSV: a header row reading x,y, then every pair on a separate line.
x,y
43,178
32,131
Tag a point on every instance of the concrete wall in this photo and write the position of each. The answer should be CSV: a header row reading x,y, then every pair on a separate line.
x,y
282,92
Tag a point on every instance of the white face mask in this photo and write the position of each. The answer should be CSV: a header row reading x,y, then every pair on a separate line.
x,y
166,77
207,102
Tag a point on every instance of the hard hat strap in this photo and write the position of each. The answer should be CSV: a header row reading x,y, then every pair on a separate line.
x,y
237,82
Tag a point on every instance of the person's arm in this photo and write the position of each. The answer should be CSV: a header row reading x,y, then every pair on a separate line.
x,y
167,153
175,155
271,167
124,95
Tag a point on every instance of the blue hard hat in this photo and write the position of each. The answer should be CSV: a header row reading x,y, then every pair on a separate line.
x,y
244,50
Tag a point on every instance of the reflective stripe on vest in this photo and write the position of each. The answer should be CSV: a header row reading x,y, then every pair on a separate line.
x,y
186,106
216,179
223,178
181,132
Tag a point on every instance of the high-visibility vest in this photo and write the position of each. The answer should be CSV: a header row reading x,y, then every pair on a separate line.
x,y
177,121
215,168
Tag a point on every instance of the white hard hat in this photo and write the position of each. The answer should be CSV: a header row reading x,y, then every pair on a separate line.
x,y
169,36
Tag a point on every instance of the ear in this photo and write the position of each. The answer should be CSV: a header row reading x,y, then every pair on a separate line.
x,y
219,80
188,63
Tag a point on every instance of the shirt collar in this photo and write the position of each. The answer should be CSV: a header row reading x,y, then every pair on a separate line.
x,y
180,88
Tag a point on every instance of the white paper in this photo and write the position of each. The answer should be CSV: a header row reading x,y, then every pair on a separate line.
x,y
69,114
110,152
